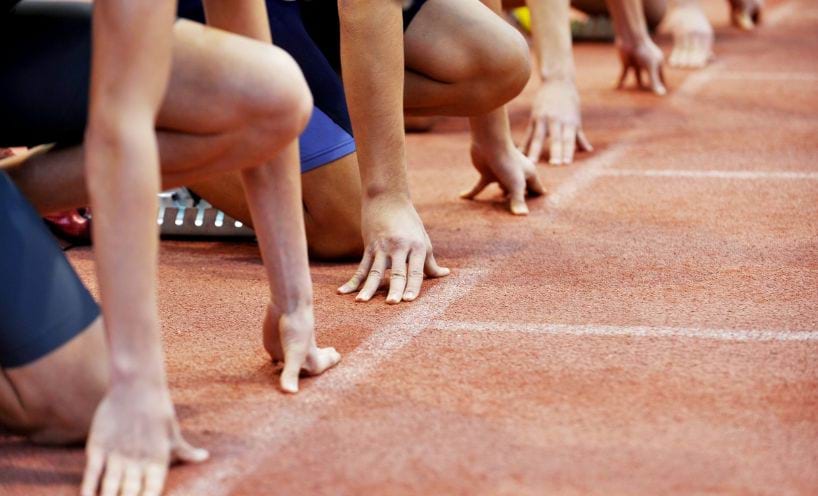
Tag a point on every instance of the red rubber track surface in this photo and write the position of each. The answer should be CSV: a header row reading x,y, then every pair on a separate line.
x,y
650,328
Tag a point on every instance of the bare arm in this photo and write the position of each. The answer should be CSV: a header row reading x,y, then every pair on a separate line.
x,y
273,192
134,429
373,65
555,112
373,68
496,158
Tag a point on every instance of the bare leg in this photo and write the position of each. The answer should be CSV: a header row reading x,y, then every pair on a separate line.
x,y
53,399
246,109
332,206
462,60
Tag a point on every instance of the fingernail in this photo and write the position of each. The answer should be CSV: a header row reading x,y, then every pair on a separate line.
x,y
409,296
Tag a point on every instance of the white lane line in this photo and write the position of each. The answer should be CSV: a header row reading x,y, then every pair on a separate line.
x,y
708,174
737,335
768,76
275,422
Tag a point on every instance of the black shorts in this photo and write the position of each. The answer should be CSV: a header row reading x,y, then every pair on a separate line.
x,y
43,304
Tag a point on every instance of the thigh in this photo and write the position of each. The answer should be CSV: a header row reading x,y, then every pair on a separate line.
x,y
328,135
53,399
45,55
449,40
332,204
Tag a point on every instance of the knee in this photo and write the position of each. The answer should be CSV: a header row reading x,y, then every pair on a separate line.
x,y
503,67
279,103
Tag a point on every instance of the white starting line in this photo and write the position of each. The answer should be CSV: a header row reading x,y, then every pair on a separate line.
x,y
734,335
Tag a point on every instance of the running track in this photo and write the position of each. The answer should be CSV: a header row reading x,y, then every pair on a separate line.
x,y
651,328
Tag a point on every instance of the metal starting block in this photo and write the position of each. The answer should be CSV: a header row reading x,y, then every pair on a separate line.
x,y
202,220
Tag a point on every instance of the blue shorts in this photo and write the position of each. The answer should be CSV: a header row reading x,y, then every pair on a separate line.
x,y
43,303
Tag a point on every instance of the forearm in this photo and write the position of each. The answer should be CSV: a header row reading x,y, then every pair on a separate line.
x,y
551,36
492,128
273,190
373,69
273,195
629,21
122,162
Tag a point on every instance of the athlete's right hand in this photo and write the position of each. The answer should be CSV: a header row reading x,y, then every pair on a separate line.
x,y
394,237
641,56
134,438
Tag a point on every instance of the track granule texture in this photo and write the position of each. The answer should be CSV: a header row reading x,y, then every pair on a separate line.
x,y
650,328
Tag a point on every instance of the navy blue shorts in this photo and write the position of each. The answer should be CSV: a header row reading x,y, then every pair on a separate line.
x,y
43,303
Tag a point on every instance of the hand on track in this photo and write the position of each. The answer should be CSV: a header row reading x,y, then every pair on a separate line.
x,y
555,114
644,56
134,438
394,238
692,36
513,171
746,14
290,338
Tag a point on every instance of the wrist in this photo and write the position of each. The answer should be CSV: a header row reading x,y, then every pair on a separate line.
x,y
631,40
140,361
298,305
556,74
375,194
131,375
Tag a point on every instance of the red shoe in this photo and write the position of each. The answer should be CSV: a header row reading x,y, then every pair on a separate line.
x,y
73,226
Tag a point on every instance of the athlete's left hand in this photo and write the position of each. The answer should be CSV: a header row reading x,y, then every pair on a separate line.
x,y
555,114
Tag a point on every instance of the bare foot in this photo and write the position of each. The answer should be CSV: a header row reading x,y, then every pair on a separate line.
x,y
692,35
291,338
